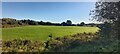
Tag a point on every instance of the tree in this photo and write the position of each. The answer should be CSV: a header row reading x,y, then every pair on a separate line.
x,y
63,24
69,22
48,23
41,23
82,23
109,14
20,22
106,11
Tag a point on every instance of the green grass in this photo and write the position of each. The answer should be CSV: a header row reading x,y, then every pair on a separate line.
x,y
42,32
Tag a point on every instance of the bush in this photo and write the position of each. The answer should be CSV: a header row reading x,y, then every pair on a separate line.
x,y
58,44
19,45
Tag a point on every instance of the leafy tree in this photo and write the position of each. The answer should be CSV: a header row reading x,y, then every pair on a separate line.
x,y
69,22
48,23
41,23
63,24
109,14
82,23
20,23
106,11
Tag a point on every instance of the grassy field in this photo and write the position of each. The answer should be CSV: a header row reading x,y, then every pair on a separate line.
x,y
42,32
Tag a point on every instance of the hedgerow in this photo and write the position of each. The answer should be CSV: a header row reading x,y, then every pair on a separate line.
x,y
58,44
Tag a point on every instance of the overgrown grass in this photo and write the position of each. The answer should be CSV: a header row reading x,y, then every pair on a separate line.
x,y
59,44
42,32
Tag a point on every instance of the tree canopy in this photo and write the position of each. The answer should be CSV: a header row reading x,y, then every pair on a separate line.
x,y
109,14
106,11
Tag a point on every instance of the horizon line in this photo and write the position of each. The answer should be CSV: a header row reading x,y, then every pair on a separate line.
x,y
56,22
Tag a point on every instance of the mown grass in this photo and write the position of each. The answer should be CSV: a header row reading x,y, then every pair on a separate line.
x,y
42,32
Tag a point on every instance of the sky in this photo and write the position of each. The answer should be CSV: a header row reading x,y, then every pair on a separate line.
x,y
49,11
49,0
59,0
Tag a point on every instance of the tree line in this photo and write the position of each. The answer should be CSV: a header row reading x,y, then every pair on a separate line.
x,y
15,22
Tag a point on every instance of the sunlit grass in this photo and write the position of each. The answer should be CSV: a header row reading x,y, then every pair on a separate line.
x,y
42,32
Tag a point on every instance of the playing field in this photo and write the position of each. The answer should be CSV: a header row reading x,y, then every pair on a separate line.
x,y
42,32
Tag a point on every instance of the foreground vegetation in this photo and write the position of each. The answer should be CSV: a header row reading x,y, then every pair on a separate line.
x,y
58,44
80,42
41,32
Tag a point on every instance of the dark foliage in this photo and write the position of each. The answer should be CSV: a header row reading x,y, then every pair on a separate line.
x,y
9,22
109,14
